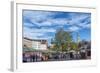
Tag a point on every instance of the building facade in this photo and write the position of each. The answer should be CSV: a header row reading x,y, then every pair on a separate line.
x,y
39,44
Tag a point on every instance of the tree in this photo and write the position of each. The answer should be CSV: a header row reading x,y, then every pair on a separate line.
x,y
74,46
62,40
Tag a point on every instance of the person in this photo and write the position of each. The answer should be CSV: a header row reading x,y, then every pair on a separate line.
x,y
83,55
33,58
71,55
24,58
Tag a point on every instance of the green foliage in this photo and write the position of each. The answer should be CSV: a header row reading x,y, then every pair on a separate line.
x,y
61,40
74,46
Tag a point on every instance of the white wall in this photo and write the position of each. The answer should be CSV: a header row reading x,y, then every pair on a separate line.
x,y
43,47
38,46
5,35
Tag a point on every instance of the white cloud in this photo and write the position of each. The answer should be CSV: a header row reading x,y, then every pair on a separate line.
x,y
28,24
41,18
43,23
60,21
43,30
47,23
37,15
32,35
35,30
76,21
73,28
83,25
35,33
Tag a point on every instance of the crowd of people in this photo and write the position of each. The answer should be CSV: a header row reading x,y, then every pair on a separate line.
x,y
40,56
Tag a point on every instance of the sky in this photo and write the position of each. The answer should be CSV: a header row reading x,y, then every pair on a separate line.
x,y
43,24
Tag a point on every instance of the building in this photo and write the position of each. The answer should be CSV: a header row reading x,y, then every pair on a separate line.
x,y
85,47
27,43
37,44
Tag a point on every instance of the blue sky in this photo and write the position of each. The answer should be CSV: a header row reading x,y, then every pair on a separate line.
x,y
43,24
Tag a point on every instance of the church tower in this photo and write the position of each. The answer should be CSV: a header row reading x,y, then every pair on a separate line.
x,y
78,38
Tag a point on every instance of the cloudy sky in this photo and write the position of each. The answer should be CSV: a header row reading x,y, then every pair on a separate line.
x,y
43,24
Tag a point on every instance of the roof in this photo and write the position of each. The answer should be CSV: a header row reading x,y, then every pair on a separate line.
x,y
34,39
